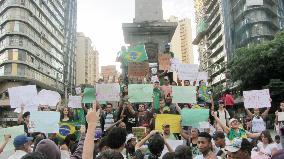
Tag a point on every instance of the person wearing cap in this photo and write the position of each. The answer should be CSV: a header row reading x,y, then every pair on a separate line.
x,y
234,131
22,145
131,141
239,148
157,95
167,132
222,114
24,119
220,142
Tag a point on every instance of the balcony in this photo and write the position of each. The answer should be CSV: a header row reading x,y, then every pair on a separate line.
x,y
213,22
211,5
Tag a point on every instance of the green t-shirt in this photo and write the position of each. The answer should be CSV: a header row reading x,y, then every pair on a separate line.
x,y
233,134
157,94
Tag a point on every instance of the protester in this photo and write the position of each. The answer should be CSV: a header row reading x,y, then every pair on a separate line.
x,y
144,116
183,152
277,141
205,146
131,141
110,154
220,142
22,145
240,148
167,88
7,138
155,146
167,132
116,139
280,124
222,114
267,147
49,149
34,155
258,124
186,83
108,117
66,115
234,131
169,155
129,115
24,118
229,102
191,137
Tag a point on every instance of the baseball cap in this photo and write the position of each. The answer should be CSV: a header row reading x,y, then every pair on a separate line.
x,y
21,140
218,134
166,78
166,125
235,145
231,120
129,137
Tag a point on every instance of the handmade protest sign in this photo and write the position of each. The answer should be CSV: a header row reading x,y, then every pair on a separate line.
x,y
22,95
172,120
89,95
187,72
192,117
78,90
174,65
138,93
202,76
138,69
139,132
280,116
184,94
44,121
109,70
47,97
74,101
164,61
257,98
108,92
13,131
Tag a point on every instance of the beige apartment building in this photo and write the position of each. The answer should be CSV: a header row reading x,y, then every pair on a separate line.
x,y
181,43
87,61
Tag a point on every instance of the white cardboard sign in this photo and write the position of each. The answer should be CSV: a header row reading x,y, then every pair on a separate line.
x,y
257,98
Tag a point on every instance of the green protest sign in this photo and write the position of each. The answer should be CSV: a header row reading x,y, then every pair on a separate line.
x,y
139,93
184,94
89,95
192,117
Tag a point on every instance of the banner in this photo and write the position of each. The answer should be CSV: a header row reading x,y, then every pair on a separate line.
x,y
187,72
139,93
44,121
164,61
89,95
174,65
184,94
139,132
257,98
192,117
48,98
134,54
202,76
22,95
74,101
109,70
138,69
13,131
108,92
172,120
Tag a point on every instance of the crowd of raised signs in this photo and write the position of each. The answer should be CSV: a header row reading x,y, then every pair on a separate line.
x,y
177,120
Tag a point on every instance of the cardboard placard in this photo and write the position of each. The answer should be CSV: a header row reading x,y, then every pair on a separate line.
x,y
138,69
164,61
109,70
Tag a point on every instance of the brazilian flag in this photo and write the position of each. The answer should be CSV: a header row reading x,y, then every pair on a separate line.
x,y
134,54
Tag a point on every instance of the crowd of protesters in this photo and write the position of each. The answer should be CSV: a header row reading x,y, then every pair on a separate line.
x,y
108,132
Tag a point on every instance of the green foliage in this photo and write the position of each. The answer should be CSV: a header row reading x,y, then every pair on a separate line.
x,y
257,64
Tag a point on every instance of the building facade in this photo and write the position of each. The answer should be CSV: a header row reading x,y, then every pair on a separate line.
x,y
225,25
87,61
181,43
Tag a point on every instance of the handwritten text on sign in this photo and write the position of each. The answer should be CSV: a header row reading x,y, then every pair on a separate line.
x,y
107,92
164,62
138,69
187,72
108,70
257,98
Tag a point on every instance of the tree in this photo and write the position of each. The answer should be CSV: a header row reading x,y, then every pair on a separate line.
x,y
256,65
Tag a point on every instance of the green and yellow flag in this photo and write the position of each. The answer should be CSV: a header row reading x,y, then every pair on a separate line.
x,y
134,54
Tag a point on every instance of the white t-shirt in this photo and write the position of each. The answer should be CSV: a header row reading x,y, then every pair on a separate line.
x,y
222,116
258,125
268,149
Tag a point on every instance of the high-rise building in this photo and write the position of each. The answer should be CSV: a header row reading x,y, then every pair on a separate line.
x,y
181,43
32,43
87,65
225,25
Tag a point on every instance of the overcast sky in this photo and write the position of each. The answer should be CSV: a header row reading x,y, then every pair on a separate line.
x,y
101,20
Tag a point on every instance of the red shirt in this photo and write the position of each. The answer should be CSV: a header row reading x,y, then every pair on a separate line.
x,y
229,100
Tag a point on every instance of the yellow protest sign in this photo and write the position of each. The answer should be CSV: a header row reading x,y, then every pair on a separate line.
x,y
172,120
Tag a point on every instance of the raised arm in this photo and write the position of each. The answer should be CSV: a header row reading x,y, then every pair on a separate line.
x,y
224,127
110,127
249,113
253,135
92,118
265,113
20,116
142,142
212,102
7,138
